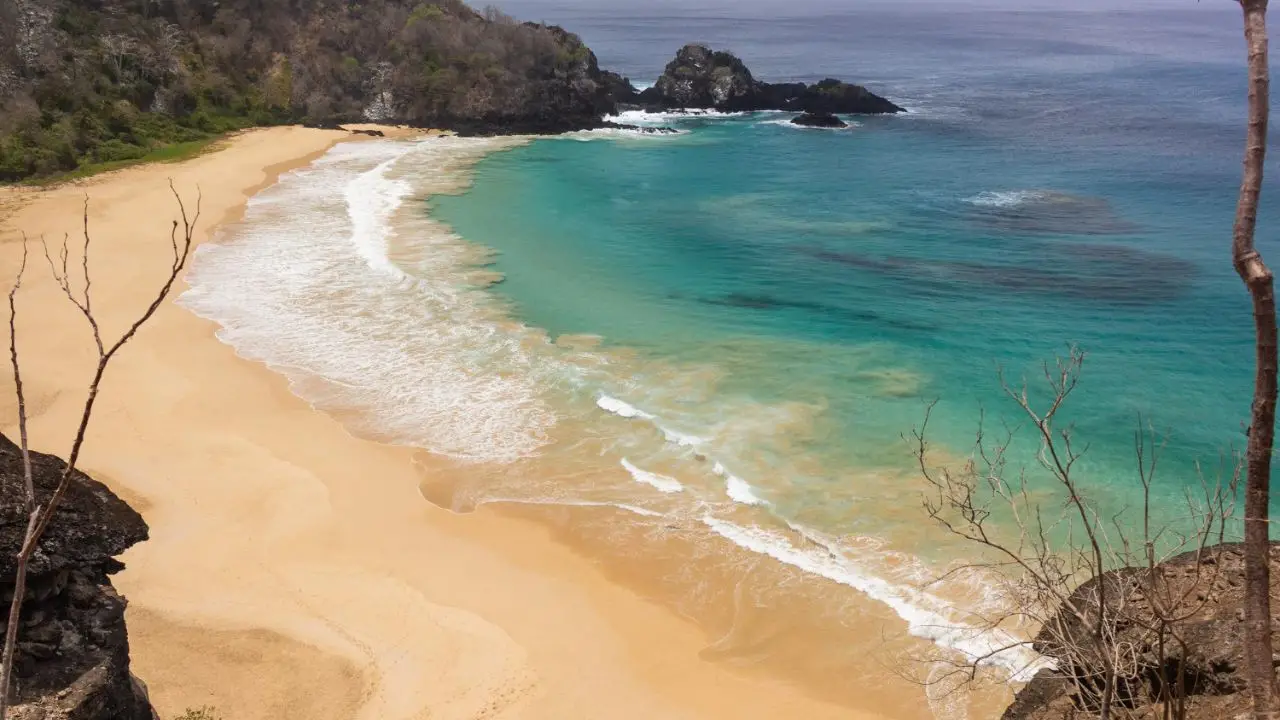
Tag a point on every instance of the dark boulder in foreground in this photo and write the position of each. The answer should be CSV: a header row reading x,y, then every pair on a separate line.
x,y
820,120
702,78
1212,580
72,659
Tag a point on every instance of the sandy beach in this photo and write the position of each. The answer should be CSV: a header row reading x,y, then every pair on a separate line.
x,y
295,571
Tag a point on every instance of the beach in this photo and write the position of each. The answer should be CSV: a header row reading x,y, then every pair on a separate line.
x,y
294,570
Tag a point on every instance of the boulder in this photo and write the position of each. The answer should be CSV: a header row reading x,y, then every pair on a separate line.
x,y
820,120
72,659
702,78
1213,629
834,96
699,77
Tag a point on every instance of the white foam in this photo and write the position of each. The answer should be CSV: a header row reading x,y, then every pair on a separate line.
x,y
642,117
621,408
661,482
633,509
927,615
678,438
620,134
1005,199
365,309
372,198
738,490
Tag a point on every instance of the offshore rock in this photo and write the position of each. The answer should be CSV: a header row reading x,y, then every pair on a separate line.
x,y
701,78
820,120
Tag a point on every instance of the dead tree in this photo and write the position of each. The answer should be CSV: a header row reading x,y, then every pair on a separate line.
x,y
39,515
1260,282
1091,585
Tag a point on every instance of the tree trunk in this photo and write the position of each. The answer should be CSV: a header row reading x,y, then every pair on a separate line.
x,y
1260,282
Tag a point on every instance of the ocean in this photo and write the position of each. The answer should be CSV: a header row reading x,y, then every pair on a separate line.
x,y
697,355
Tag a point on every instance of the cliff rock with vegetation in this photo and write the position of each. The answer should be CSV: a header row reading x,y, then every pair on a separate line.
x,y
1203,651
72,658
702,78
98,81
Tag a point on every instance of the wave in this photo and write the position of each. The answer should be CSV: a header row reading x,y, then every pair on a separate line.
x,y
643,117
738,490
325,273
1005,198
623,409
372,199
622,134
633,509
928,616
661,482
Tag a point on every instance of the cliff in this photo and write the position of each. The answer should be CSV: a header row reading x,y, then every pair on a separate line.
x,y
72,660
702,78
1212,629
110,80
89,83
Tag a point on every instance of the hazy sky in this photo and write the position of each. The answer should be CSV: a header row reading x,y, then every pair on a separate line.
x,y
806,6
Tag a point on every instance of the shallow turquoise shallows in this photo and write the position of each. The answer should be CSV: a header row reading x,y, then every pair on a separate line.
x,y
1040,194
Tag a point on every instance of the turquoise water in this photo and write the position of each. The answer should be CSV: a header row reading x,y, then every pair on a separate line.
x,y
724,334
869,271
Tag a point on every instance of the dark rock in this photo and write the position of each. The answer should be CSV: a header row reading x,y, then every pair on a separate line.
x,y
621,91
834,96
72,659
1212,632
701,78
819,120
370,133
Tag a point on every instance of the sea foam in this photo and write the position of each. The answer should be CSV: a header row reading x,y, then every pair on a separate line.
x,y
660,482
738,490
927,615
621,408
362,308
1005,199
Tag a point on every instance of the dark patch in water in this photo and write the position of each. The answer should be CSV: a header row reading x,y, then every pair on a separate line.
x,y
769,302
1045,212
1092,271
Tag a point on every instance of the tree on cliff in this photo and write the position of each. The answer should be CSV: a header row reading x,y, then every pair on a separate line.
x,y
1113,618
71,272
1260,282
1079,628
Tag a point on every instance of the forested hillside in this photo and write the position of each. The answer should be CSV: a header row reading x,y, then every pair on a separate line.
x,y
92,81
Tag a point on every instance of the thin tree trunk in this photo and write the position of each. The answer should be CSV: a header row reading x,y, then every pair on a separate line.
x,y
1260,282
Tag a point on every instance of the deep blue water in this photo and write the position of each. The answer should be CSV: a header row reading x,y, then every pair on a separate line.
x,y
1065,177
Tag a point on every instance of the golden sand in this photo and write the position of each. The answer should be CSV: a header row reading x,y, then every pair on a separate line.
x,y
295,572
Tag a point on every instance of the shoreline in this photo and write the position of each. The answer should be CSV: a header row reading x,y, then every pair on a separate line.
x,y
294,570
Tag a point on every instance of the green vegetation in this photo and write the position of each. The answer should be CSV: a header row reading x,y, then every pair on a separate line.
x,y
176,152
92,86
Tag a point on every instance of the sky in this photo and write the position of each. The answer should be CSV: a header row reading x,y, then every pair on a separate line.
x,y
792,6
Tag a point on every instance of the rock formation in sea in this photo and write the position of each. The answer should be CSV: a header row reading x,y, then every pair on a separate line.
x,y
72,659
702,78
819,120
112,80
1213,582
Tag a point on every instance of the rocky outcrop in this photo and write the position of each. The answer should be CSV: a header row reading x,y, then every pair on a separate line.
x,y
820,120
72,660
702,78
835,96
1213,583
